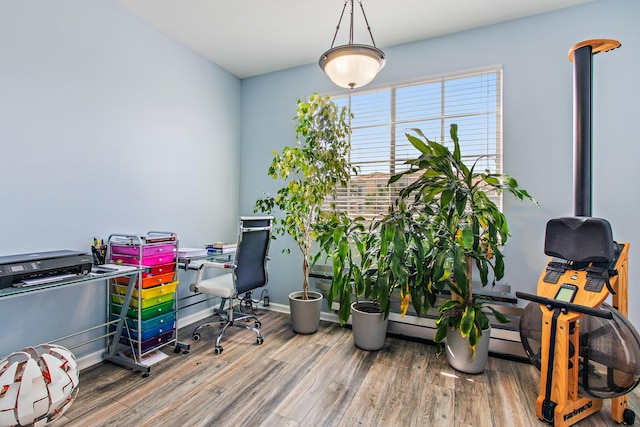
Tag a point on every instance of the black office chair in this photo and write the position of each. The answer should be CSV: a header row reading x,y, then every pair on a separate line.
x,y
247,272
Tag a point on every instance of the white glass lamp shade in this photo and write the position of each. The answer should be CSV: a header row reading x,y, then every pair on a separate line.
x,y
352,66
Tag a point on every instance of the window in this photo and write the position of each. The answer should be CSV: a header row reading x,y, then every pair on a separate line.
x,y
379,146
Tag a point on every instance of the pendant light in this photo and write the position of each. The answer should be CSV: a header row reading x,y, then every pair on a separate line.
x,y
352,65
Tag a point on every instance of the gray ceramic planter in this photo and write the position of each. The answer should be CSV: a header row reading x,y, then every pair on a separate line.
x,y
459,353
305,314
369,326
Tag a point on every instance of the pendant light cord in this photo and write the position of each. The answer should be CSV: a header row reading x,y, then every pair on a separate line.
x,y
366,21
339,22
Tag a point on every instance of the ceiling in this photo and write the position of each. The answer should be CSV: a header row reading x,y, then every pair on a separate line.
x,y
252,37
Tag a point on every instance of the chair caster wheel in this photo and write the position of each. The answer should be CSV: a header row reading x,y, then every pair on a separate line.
x,y
259,340
628,417
217,350
196,336
258,325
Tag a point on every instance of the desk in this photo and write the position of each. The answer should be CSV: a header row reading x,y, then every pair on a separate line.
x,y
111,355
12,292
194,262
113,337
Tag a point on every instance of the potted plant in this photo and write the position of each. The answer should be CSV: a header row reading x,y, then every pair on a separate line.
x,y
467,230
371,260
353,249
312,170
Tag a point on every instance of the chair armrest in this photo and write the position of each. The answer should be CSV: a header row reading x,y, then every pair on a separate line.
x,y
203,266
209,264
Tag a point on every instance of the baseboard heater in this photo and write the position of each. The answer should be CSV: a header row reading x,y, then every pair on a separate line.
x,y
505,338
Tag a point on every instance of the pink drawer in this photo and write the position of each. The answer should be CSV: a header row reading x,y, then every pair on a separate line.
x,y
147,250
147,261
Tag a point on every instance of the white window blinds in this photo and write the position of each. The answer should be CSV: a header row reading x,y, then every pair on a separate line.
x,y
379,146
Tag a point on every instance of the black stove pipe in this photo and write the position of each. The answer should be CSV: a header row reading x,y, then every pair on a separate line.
x,y
582,176
581,55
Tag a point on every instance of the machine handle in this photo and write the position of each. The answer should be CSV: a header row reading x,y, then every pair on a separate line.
x,y
553,304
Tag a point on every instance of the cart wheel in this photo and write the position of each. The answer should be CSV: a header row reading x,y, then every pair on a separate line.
x,y
217,350
259,340
176,350
258,325
628,417
196,336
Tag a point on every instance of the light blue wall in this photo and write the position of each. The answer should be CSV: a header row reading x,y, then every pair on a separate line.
x,y
106,126
538,125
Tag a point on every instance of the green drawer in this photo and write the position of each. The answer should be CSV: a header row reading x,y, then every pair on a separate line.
x,y
151,323
144,303
145,313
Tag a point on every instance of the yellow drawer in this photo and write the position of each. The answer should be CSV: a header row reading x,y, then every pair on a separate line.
x,y
148,293
145,303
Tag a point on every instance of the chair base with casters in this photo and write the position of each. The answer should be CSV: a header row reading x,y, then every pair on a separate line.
x,y
247,272
228,317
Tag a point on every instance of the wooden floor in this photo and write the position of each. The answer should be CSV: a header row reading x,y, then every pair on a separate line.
x,y
309,380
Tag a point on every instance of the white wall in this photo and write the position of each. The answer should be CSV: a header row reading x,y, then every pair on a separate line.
x,y
106,126
538,125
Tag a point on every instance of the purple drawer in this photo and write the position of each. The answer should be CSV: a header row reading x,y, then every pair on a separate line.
x,y
156,341
147,261
147,250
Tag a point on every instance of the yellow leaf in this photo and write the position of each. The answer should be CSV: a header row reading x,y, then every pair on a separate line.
x,y
404,304
489,254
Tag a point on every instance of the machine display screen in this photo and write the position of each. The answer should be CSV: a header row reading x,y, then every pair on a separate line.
x,y
566,293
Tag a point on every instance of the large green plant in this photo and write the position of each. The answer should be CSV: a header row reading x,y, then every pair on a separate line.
x,y
312,170
405,248
373,258
352,248
466,226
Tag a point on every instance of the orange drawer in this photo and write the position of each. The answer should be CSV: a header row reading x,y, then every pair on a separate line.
x,y
149,281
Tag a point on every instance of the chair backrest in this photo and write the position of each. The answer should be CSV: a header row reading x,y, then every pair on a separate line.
x,y
252,253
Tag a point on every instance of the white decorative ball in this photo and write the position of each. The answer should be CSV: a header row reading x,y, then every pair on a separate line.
x,y
37,385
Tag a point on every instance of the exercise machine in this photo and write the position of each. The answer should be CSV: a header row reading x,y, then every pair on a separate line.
x,y
586,349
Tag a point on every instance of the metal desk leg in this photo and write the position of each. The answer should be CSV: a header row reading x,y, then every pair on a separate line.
x,y
111,355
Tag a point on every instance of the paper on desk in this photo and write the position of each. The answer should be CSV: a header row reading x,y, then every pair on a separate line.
x,y
191,252
114,267
44,279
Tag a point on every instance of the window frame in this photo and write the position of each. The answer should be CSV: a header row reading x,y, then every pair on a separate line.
x,y
351,198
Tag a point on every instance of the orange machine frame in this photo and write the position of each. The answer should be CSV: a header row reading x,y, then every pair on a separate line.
x,y
570,407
